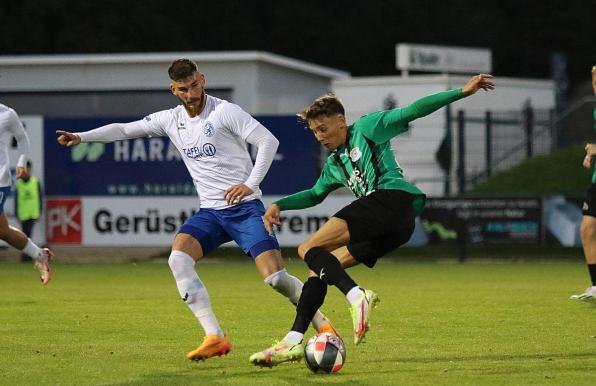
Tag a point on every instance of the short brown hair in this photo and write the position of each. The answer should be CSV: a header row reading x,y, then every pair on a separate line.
x,y
182,69
327,105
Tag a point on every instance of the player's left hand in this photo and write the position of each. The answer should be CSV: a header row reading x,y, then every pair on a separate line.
x,y
480,81
20,172
236,193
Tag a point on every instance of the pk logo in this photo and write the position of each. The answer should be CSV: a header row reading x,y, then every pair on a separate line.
x,y
64,221
89,152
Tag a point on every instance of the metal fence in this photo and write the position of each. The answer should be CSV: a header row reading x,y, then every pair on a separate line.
x,y
487,142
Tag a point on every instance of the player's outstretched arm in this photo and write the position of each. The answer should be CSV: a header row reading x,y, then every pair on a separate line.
x,y
67,139
477,82
105,134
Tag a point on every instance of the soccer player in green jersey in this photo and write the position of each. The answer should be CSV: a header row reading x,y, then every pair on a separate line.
x,y
588,226
378,221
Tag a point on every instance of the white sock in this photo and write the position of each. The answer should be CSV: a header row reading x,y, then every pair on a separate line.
x,y
193,292
291,287
32,250
354,294
294,337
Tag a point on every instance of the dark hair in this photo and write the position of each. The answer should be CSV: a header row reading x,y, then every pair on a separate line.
x,y
182,69
29,163
327,105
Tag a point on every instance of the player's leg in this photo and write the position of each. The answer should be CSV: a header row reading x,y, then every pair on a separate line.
x,y
370,226
330,268
311,299
16,238
27,228
271,268
244,224
588,237
195,239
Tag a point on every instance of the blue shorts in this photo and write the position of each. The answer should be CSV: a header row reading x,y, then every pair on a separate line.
x,y
4,193
241,223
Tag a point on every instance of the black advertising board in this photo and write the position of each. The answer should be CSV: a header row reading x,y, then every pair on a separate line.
x,y
483,220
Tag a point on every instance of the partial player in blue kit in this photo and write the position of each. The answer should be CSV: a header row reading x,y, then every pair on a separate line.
x,y
212,135
11,127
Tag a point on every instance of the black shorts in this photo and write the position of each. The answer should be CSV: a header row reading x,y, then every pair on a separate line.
x,y
589,207
378,224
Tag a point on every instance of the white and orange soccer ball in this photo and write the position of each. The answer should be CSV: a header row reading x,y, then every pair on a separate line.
x,y
324,353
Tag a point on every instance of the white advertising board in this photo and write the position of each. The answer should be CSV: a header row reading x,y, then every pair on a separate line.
x,y
154,221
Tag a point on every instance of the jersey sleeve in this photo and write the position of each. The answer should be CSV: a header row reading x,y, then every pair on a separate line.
x,y
154,124
238,121
313,196
381,126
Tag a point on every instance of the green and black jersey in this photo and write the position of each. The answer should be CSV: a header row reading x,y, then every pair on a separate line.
x,y
367,162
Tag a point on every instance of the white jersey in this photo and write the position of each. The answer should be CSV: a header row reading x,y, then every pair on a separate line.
x,y
213,146
10,126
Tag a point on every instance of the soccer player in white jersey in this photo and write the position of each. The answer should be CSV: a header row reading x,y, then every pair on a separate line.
x,y
212,136
11,127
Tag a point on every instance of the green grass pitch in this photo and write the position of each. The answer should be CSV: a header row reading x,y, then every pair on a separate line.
x,y
453,324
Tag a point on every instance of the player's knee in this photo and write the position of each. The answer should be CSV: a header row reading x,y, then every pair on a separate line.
x,y
276,278
303,249
311,254
180,261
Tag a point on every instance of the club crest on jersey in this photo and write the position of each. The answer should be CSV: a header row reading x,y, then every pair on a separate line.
x,y
355,154
209,130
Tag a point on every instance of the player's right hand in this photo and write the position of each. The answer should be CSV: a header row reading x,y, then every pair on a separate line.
x,y
272,216
67,139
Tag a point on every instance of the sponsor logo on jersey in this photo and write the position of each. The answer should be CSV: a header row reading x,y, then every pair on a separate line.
x,y
196,152
148,118
209,130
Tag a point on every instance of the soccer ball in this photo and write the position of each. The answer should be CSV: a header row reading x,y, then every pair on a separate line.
x,y
324,353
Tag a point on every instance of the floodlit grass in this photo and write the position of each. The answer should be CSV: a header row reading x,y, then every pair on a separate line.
x,y
475,324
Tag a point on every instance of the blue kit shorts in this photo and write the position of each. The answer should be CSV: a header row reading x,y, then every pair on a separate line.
x,y
241,223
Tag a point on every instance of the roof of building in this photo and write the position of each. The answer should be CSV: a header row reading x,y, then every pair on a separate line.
x,y
166,57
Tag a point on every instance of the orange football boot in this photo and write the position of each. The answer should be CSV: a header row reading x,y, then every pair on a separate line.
x,y
212,345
